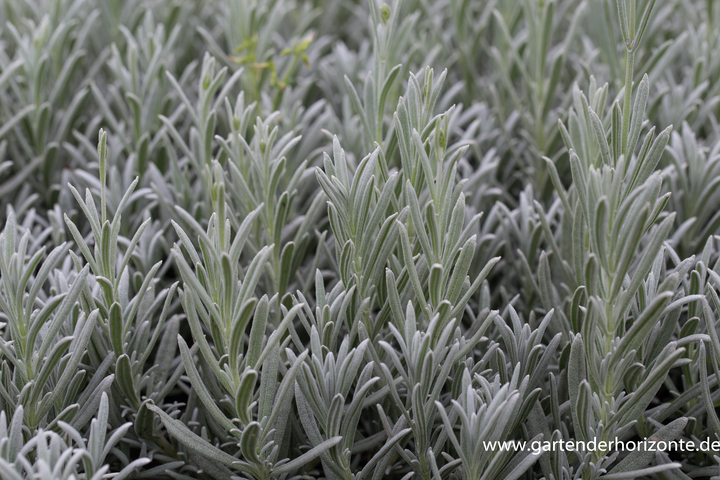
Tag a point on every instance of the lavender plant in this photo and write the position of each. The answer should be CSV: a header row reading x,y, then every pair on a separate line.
x,y
356,240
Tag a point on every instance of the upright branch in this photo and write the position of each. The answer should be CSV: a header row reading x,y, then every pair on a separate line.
x,y
632,35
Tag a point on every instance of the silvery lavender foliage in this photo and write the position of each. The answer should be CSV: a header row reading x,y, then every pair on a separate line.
x,y
358,240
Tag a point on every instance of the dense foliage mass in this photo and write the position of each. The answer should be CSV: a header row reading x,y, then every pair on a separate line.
x,y
346,239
